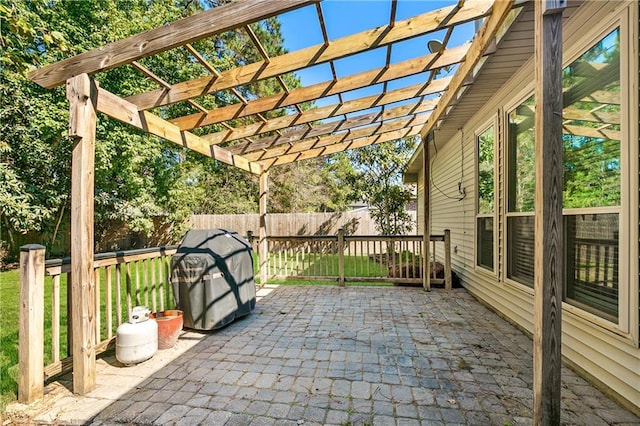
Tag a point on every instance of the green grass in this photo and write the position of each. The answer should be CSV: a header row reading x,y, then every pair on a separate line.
x,y
9,304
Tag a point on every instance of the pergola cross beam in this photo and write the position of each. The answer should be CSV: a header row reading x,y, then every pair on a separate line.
x,y
331,127
328,88
204,24
327,112
314,55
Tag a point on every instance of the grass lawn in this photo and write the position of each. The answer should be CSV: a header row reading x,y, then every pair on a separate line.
x,y
9,304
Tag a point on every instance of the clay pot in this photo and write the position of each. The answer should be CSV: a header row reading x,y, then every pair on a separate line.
x,y
169,327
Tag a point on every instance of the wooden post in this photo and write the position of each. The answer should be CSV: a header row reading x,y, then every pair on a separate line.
x,y
447,259
263,247
548,272
426,236
341,257
31,333
82,96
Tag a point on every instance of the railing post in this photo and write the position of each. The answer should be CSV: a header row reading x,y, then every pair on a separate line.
x,y
263,249
31,333
447,259
341,257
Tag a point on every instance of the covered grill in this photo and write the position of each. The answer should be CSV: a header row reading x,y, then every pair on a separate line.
x,y
212,277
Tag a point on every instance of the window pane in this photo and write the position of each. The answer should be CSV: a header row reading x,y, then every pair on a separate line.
x,y
485,171
520,231
521,178
485,242
591,126
592,263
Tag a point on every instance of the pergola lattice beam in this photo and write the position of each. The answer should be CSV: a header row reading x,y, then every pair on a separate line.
x,y
126,112
334,126
204,24
343,146
327,88
314,55
378,128
328,111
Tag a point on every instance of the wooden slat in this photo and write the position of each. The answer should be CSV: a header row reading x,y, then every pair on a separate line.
x,y
325,141
81,93
327,88
328,128
328,111
592,116
591,132
482,40
205,24
343,146
124,111
418,25
549,262
55,319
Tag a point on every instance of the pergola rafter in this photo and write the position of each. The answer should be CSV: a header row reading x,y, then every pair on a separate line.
x,y
328,88
314,55
332,127
328,111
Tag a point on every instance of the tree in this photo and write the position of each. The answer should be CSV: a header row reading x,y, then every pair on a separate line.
x,y
378,181
138,177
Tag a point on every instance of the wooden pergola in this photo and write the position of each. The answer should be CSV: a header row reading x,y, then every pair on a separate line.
x,y
297,136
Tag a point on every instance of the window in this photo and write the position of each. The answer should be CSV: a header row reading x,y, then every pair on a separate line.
x,y
486,199
592,183
521,183
592,156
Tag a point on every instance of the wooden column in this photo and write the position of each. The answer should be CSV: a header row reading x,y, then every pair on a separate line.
x,y
31,334
426,236
447,259
82,96
263,247
341,257
547,330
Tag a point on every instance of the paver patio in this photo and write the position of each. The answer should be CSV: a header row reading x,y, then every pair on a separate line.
x,y
330,355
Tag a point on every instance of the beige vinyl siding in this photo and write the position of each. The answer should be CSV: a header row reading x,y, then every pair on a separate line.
x,y
608,355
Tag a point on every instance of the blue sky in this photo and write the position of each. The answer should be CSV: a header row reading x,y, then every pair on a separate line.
x,y
301,29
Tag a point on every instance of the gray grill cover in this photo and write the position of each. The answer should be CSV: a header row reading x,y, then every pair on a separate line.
x,y
212,277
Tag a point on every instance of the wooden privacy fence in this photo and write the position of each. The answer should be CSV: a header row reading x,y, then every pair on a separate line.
x,y
353,222
122,280
357,258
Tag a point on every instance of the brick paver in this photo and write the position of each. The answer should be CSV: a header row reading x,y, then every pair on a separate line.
x,y
329,355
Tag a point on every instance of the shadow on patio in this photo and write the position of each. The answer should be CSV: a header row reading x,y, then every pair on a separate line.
x,y
330,355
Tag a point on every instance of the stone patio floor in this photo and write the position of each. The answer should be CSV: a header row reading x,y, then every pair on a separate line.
x,y
327,355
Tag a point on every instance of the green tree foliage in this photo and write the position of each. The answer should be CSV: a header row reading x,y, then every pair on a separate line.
x,y
140,180
378,180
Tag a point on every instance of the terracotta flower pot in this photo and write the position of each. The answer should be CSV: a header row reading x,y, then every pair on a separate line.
x,y
169,327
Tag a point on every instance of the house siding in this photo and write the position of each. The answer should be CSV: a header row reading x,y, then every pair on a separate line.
x,y
608,356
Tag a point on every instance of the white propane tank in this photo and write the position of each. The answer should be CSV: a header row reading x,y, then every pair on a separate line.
x,y
137,339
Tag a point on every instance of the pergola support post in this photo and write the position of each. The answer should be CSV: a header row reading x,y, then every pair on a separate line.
x,y
426,236
82,95
263,247
548,272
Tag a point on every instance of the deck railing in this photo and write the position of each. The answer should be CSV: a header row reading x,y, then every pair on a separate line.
x,y
122,280
141,277
357,258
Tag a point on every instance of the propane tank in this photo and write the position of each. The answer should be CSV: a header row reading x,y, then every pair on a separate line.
x,y
137,339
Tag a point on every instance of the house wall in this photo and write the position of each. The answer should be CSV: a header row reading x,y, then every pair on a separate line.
x,y
607,353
